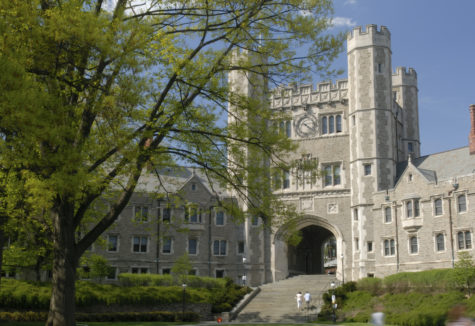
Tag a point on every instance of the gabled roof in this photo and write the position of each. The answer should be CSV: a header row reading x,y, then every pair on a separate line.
x,y
172,180
442,166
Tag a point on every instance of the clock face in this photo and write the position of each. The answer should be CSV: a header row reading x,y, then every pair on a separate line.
x,y
307,126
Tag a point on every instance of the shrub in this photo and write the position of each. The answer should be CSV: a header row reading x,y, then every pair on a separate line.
x,y
371,285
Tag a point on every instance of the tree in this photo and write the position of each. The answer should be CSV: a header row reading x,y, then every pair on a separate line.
x,y
95,92
464,272
182,268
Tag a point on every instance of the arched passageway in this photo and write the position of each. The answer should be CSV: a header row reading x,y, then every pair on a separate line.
x,y
315,254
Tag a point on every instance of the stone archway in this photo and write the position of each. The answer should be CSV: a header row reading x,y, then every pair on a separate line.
x,y
311,255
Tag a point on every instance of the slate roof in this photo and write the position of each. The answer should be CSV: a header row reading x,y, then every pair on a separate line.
x,y
173,179
442,166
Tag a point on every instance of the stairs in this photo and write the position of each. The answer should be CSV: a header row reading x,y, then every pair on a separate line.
x,y
277,303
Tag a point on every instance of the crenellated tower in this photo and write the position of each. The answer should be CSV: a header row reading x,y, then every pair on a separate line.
x,y
371,128
405,95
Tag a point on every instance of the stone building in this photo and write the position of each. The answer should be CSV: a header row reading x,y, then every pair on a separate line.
x,y
380,207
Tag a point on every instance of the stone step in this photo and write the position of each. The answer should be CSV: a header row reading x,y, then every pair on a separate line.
x,y
276,301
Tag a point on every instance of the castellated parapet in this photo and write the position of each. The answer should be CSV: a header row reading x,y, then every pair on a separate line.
x,y
405,77
325,92
358,38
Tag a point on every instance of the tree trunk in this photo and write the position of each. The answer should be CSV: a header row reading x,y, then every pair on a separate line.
x,y
3,220
65,261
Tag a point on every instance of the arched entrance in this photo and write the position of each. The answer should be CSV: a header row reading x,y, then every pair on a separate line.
x,y
315,253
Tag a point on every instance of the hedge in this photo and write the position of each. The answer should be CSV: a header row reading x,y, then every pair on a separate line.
x,y
162,316
223,294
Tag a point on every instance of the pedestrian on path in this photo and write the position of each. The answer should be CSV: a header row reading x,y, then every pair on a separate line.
x,y
307,298
377,317
298,296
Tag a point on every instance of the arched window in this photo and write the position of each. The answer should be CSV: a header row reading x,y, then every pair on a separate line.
x,y
439,239
324,125
338,123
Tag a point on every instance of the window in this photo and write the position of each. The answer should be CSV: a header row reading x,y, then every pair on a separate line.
x,y
255,220
438,207
192,272
324,125
193,187
357,244
192,246
412,208
387,215
139,270
389,247
367,169
166,271
286,183
219,217
240,248
414,248
331,124
192,214
410,147
167,246
380,67
332,175
112,243
353,119
140,244
440,242
219,247
464,239
355,214
461,203
141,213
219,273
166,216
370,246
288,129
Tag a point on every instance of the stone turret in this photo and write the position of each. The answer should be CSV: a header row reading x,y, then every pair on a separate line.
x,y
405,94
372,130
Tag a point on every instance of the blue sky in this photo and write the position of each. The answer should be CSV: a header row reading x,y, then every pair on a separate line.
x,y
437,39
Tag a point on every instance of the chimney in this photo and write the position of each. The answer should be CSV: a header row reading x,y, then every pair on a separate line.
x,y
471,136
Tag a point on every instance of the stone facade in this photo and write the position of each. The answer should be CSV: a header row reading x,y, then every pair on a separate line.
x,y
379,208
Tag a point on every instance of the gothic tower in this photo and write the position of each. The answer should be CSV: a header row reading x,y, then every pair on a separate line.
x,y
372,131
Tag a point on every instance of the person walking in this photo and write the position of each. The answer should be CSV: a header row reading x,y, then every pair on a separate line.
x,y
307,297
298,296
377,317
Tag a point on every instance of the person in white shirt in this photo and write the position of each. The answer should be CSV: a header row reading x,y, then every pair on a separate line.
x,y
307,298
298,296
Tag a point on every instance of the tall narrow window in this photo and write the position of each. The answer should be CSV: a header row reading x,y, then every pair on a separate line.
x,y
288,129
331,124
324,125
367,169
439,238
355,214
167,246
387,215
414,245
112,243
464,239
338,123
328,175
416,208
461,203
286,183
438,207
336,175
192,246
219,217
409,209
166,214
